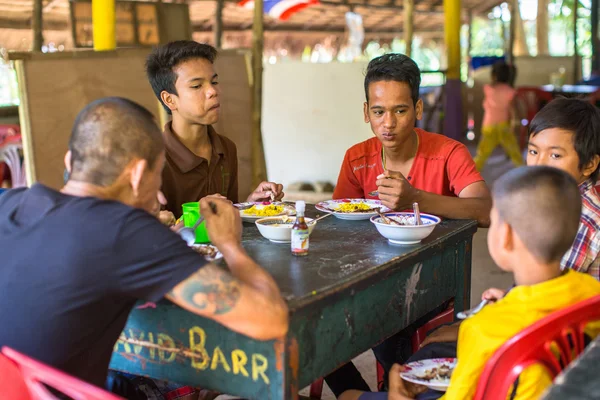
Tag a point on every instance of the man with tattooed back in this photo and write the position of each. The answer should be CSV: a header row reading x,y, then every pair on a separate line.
x,y
77,260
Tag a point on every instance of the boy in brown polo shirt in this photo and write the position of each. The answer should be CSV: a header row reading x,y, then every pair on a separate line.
x,y
200,162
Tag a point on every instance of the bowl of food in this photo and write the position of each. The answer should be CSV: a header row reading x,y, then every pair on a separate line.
x,y
401,229
279,229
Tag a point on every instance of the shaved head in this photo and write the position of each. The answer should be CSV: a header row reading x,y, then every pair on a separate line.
x,y
543,206
107,135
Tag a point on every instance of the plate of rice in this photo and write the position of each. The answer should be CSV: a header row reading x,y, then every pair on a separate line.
x,y
250,212
352,209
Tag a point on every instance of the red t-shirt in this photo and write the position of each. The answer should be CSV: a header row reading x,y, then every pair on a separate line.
x,y
442,166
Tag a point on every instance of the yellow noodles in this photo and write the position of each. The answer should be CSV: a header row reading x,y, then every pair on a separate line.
x,y
268,211
353,207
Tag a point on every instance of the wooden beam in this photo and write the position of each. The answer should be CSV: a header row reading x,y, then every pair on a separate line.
x,y
258,158
219,24
510,52
541,27
50,5
576,66
36,25
329,3
409,21
595,36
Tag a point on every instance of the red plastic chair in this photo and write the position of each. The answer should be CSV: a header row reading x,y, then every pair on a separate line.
x,y
316,389
36,374
532,99
12,384
562,330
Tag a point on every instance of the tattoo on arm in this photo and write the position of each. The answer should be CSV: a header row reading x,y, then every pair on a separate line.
x,y
211,289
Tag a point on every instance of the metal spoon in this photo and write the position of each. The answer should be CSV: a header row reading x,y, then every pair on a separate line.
x,y
417,214
472,311
189,234
314,221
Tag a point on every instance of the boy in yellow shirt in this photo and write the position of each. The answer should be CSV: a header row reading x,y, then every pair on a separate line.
x,y
534,221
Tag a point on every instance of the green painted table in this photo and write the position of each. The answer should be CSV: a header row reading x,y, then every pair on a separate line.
x,y
352,291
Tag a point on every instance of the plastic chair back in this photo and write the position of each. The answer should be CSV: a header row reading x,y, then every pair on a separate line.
x,y
36,375
561,332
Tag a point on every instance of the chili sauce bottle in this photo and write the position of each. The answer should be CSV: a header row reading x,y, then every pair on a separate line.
x,y
300,231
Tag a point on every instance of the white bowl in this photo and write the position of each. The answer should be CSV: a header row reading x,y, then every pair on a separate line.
x,y
280,233
406,234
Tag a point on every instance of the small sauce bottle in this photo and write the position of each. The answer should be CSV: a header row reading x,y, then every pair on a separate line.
x,y
300,232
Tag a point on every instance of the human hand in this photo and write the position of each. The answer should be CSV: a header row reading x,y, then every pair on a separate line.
x,y
444,334
217,196
400,389
492,295
167,218
267,191
223,222
395,192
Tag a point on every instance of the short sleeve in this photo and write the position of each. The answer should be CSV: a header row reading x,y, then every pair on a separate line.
x,y
232,191
460,169
348,186
152,259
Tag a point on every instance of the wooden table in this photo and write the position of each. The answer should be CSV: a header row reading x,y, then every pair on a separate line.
x,y
351,292
580,380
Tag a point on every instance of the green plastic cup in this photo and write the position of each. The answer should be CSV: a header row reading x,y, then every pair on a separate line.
x,y
191,213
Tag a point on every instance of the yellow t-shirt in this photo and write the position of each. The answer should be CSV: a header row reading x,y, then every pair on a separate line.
x,y
480,336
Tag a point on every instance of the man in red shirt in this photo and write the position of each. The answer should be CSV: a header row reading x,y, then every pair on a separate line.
x,y
405,164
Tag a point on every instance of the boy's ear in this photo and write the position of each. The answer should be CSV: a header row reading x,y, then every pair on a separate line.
x,y
591,166
507,238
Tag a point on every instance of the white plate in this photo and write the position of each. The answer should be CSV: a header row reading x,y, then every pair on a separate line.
x,y
329,206
287,210
415,370
210,246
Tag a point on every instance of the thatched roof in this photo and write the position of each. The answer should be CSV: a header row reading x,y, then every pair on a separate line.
x,y
381,18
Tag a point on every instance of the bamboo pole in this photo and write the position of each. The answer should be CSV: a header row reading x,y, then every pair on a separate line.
x,y
576,66
452,35
510,51
104,24
595,36
409,7
219,24
36,22
541,28
258,158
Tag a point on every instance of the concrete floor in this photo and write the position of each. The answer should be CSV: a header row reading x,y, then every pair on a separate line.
x,y
485,274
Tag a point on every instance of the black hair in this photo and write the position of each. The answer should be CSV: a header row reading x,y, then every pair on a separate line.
x,y
543,206
394,67
161,62
504,73
575,115
107,134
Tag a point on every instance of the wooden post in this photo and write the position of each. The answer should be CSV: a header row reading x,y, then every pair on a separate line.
x,y
409,7
470,36
576,66
453,116
36,22
258,158
541,28
510,50
219,24
595,36
104,25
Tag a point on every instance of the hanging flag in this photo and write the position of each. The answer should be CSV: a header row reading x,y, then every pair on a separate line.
x,y
280,9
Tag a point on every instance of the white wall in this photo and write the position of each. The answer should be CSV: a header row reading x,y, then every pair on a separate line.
x,y
312,113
